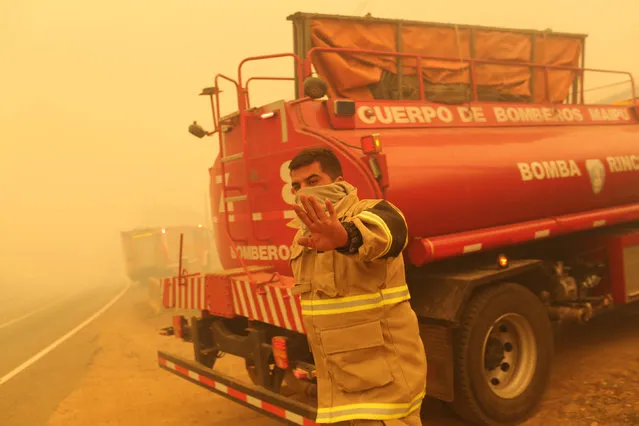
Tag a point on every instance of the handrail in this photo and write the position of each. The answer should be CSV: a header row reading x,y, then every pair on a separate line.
x,y
298,70
221,141
217,92
243,101
471,61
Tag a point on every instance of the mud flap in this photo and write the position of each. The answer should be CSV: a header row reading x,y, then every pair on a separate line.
x,y
438,342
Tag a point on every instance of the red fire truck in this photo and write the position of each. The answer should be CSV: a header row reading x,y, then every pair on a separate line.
x,y
155,253
522,204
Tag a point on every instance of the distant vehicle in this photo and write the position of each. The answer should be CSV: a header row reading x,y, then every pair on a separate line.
x,y
154,253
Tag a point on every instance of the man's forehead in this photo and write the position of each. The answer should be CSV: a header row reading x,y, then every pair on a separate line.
x,y
305,172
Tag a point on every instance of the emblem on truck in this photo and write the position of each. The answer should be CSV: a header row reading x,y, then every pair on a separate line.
x,y
597,174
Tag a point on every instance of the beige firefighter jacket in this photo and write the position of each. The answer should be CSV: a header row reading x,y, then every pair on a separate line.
x,y
362,331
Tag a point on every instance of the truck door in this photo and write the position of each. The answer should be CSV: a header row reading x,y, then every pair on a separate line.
x,y
251,191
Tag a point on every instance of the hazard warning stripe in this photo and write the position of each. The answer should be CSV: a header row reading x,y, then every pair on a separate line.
x,y
238,393
190,295
270,304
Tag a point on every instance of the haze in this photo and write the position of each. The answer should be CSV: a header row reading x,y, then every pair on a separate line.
x,y
97,97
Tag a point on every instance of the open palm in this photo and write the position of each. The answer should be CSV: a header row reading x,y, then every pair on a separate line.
x,y
327,233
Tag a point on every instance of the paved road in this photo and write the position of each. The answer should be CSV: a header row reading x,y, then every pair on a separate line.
x,y
33,379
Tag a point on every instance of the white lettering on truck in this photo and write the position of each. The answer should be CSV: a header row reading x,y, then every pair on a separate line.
x,y
285,175
470,115
411,114
609,114
271,252
555,169
404,115
623,163
400,114
537,115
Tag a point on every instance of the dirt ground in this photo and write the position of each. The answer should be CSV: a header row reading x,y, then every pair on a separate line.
x,y
595,380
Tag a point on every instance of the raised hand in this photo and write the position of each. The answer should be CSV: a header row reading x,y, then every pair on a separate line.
x,y
327,233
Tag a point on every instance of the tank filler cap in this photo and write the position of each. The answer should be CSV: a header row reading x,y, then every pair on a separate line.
x,y
315,87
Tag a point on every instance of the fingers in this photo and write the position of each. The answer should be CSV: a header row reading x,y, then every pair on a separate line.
x,y
330,209
303,216
312,212
308,206
319,211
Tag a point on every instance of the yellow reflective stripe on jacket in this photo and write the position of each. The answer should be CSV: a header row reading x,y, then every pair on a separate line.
x,y
380,222
370,411
340,305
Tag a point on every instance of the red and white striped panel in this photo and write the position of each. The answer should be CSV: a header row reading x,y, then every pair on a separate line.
x,y
276,305
232,393
191,295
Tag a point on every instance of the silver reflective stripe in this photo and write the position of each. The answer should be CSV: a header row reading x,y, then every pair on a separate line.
x,y
339,305
372,411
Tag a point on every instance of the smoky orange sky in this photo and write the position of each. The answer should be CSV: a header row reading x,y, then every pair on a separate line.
x,y
96,98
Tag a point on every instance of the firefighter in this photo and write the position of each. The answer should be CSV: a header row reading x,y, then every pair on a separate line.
x,y
348,266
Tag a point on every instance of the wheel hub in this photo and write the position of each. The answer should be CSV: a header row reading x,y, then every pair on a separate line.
x,y
494,354
509,356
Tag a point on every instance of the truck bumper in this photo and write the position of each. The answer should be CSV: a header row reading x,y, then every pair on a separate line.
x,y
254,397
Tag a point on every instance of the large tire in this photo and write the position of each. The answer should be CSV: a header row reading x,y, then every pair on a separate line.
x,y
503,356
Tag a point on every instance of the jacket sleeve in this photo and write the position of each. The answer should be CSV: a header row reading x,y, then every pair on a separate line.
x,y
384,231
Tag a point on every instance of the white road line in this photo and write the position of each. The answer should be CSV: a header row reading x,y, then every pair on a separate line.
x,y
40,309
61,340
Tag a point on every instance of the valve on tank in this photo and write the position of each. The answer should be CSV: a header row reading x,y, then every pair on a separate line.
x,y
567,288
576,280
591,281
589,274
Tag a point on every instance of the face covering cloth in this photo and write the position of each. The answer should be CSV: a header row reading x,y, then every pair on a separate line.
x,y
336,192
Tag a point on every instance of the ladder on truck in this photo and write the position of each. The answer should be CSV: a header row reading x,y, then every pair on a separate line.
x,y
243,191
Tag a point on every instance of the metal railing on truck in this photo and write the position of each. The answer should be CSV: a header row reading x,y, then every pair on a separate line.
x,y
304,68
472,65
243,102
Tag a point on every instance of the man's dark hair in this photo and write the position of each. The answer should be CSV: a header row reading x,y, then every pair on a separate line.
x,y
324,156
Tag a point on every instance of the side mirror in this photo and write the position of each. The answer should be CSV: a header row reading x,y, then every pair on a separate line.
x,y
315,87
197,130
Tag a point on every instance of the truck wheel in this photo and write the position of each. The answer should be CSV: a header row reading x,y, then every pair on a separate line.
x,y
503,356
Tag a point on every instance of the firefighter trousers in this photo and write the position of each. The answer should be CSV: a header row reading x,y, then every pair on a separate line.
x,y
414,419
